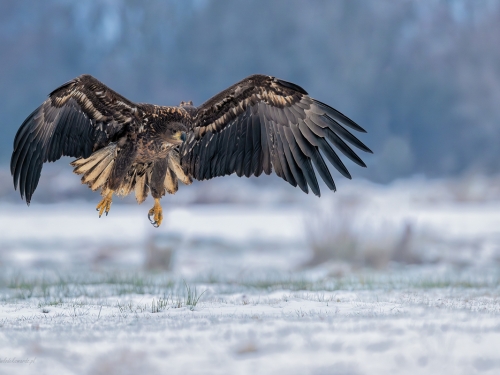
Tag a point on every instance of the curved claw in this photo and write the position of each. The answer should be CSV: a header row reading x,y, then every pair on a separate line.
x,y
150,214
157,213
105,204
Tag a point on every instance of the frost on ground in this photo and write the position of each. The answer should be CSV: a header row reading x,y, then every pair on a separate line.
x,y
416,321
398,279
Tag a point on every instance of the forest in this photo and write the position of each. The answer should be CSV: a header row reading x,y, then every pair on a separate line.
x,y
422,77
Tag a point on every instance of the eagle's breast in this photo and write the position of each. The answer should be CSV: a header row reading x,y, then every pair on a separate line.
x,y
150,148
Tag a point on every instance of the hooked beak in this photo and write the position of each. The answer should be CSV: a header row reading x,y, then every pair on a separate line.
x,y
177,138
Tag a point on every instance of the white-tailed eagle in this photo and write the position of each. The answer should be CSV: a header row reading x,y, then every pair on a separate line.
x,y
260,124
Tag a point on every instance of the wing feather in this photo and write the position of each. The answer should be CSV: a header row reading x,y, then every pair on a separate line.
x,y
214,156
237,158
210,155
318,126
233,134
337,128
248,155
265,147
276,162
221,166
292,164
301,160
195,160
201,163
312,142
282,145
312,155
339,117
262,124
78,118
315,133
257,155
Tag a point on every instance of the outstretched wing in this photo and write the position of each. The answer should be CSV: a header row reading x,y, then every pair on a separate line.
x,y
263,123
78,118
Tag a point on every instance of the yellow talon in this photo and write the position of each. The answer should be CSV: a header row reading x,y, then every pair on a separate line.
x,y
157,213
105,204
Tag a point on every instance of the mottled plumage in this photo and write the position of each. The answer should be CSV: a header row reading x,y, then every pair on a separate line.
x,y
260,124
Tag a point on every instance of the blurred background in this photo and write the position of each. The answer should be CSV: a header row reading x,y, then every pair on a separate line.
x,y
422,77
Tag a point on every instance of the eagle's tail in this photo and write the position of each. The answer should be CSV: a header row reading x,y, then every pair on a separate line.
x,y
97,167
96,170
138,180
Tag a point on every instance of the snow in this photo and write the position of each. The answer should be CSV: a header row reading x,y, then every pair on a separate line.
x,y
239,294
403,329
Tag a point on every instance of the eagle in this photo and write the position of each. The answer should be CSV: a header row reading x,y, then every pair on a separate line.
x,y
257,125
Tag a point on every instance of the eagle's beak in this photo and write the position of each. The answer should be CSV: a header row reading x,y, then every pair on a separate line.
x,y
178,137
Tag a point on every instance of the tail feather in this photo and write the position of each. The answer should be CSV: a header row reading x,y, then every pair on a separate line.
x,y
96,170
84,165
128,184
103,177
94,173
97,167
137,180
141,188
171,184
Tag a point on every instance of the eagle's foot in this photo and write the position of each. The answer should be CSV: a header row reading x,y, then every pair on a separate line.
x,y
105,204
157,213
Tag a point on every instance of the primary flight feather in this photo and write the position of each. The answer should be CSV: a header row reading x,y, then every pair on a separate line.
x,y
259,124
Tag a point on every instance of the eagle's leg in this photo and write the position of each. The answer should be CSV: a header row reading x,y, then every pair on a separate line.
x,y
122,163
105,204
157,213
157,186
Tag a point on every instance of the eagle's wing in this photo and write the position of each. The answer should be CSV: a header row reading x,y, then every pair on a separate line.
x,y
263,123
78,118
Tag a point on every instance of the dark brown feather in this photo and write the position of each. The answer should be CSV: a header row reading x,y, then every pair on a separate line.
x,y
257,154
259,124
247,157
292,164
257,112
69,123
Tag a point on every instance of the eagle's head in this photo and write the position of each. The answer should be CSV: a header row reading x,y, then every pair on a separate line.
x,y
175,133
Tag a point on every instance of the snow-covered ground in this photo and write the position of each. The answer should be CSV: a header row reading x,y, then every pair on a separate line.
x,y
373,279
360,325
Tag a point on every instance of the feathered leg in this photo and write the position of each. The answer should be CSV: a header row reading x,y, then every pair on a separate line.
x,y
119,169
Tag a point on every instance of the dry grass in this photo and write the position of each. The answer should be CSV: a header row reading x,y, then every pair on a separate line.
x,y
337,234
160,250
